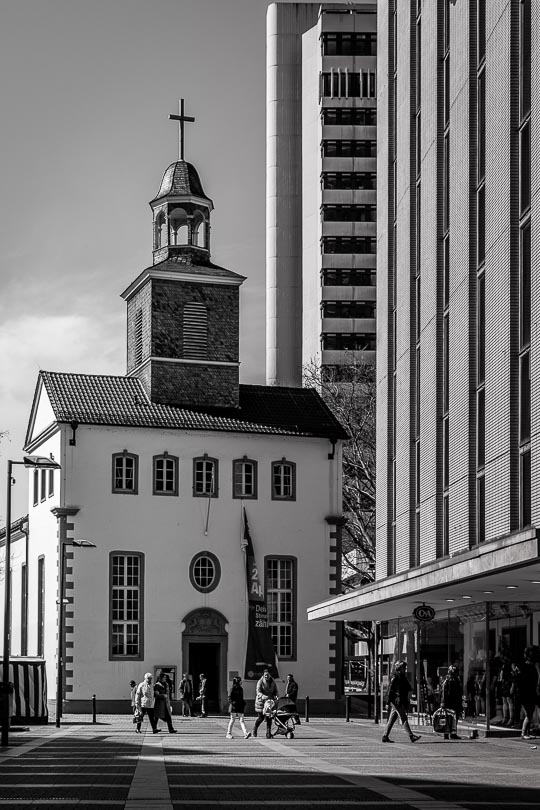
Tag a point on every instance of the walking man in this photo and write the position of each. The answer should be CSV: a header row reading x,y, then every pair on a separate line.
x,y
145,701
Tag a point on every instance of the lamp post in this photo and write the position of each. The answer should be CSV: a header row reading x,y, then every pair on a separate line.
x,y
35,462
60,652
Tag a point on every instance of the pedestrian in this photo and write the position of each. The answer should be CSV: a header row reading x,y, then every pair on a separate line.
x,y
266,690
504,690
133,690
144,701
237,704
452,698
186,694
202,696
291,693
162,707
398,702
528,690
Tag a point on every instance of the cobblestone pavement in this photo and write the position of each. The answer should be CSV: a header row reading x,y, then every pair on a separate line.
x,y
329,764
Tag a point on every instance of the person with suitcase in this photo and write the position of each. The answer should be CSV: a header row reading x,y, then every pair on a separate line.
x,y
398,702
452,699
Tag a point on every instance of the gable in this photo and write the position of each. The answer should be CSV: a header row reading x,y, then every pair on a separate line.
x,y
41,416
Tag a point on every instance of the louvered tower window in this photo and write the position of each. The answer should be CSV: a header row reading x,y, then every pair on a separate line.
x,y
195,331
138,337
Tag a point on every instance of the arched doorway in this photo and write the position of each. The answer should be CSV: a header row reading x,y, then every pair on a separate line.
x,y
204,649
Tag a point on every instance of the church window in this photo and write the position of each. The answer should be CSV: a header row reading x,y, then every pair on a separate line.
x,y
41,606
280,590
159,237
205,477
244,478
165,475
36,487
283,480
205,571
197,230
195,331
126,604
179,227
138,342
125,472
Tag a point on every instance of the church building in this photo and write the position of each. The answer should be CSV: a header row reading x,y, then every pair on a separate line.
x,y
157,468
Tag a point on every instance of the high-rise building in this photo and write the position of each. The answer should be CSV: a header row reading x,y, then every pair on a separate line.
x,y
458,301
321,186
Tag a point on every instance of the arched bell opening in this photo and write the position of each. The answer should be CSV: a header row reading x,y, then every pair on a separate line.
x,y
160,232
198,230
178,227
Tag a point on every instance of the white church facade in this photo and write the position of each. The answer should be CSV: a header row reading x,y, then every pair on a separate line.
x,y
157,467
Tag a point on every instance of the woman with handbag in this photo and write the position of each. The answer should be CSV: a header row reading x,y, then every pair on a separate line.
x,y
452,699
398,703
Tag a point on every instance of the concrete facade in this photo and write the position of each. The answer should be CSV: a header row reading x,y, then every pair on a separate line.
x,y
321,64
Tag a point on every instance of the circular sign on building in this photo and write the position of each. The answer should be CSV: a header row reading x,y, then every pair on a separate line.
x,y
424,613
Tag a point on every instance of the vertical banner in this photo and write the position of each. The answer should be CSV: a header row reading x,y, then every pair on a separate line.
x,y
260,653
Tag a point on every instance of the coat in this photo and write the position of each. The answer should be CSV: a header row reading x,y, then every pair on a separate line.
x,y
186,690
236,700
452,695
291,691
527,682
161,705
144,696
265,690
398,694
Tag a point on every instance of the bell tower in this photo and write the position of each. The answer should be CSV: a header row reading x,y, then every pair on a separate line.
x,y
183,311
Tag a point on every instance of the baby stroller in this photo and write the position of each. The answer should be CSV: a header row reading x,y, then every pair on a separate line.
x,y
283,714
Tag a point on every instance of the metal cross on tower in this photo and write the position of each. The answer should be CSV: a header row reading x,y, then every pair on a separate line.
x,y
181,118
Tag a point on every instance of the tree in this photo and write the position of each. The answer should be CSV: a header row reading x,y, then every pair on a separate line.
x,y
350,393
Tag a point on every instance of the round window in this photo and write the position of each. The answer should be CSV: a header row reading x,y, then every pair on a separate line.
x,y
205,571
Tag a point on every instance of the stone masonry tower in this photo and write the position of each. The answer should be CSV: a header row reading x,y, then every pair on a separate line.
x,y
183,311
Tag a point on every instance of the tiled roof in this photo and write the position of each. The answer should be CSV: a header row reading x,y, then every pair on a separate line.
x,y
181,180
193,264
122,401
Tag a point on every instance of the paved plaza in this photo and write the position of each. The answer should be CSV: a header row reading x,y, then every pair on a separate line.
x,y
329,763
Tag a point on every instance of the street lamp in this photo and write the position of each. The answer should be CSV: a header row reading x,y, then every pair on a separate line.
x,y
35,462
60,651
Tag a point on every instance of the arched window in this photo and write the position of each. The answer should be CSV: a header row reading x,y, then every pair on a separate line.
x,y
195,331
198,230
165,475
178,223
159,232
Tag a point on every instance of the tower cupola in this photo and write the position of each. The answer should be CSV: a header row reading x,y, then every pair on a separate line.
x,y
181,210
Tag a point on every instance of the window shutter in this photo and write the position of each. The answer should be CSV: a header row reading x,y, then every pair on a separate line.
x,y
195,331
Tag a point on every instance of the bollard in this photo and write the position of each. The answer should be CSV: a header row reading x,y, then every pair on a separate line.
x,y
94,709
347,708
306,709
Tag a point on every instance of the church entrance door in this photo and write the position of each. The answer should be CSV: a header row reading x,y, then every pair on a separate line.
x,y
204,649
204,657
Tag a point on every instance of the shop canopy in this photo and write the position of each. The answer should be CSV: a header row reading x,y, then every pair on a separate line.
x,y
503,570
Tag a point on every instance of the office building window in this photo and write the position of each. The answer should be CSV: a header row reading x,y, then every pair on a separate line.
x,y
481,327
481,30
344,84
165,475
348,309
349,213
348,341
349,244
481,225
446,452
125,468
205,477
357,181
244,478
349,116
344,277
41,606
446,362
481,123
446,525
360,149
525,286
480,427
524,398
525,166
349,44
525,58
525,488
126,605
481,509
280,590
283,480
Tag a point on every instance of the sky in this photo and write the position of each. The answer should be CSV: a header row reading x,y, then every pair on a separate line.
x,y
86,92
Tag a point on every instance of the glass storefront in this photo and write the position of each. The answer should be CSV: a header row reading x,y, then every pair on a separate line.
x,y
485,641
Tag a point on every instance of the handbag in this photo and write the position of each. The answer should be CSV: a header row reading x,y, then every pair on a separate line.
x,y
443,721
